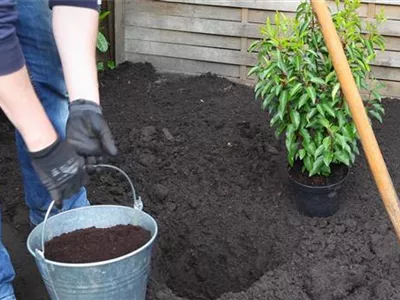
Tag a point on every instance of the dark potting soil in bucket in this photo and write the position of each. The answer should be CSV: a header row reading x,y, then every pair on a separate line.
x,y
96,244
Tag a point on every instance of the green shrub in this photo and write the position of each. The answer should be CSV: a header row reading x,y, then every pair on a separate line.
x,y
297,83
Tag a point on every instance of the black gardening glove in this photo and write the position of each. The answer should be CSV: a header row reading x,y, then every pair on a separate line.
x,y
60,169
88,131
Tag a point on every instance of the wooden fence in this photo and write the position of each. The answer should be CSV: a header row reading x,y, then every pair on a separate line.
x,y
199,36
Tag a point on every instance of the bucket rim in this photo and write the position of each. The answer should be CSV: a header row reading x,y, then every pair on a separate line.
x,y
93,264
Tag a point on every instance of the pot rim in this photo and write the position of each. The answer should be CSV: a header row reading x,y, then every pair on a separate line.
x,y
320,187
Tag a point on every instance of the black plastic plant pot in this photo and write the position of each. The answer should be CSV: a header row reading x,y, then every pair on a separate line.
x,y
318,200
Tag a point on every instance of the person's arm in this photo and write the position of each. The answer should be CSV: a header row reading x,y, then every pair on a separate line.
x,y
75,31
22,107
56,162
17,97
75,26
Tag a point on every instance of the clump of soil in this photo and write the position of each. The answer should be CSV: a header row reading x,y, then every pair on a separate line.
x,y
96,244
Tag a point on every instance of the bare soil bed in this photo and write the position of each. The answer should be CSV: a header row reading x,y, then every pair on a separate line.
x,y
211,172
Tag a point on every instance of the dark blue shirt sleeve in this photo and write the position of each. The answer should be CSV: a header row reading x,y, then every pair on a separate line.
x,y
11,57
94,4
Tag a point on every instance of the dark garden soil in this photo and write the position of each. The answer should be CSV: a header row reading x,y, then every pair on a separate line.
x,y
211,172
96,244
338,173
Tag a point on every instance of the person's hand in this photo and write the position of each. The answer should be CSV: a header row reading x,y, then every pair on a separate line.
x,y
60,169
88,131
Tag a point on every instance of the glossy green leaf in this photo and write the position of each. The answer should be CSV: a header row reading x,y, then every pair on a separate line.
x,y
291,155
321,109
283,100
253,70
311,92
259,88
342,142
268,71
303,100
103,15
101,42
298,63
327,142
295,117
358,80
335,90
318,80
308,163
295,89
376,116
311,113
281,128
329,110
259,85
376,95
320,150
267,101
311,148
274,120
253,46
343,157
267,88
350,51
379,108
302,154
278,89
317,165
328,157
312,52
330,76
324,122
281,64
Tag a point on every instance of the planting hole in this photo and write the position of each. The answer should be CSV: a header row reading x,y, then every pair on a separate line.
x,y
213,181
215,251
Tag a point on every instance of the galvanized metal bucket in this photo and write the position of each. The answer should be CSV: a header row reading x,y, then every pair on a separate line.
x,y
121,278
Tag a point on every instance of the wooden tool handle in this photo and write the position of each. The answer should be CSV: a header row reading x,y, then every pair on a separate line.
x,y
359,115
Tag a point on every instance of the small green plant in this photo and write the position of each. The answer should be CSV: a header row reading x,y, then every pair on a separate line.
x,y
101,67
111,64
102,43
298,85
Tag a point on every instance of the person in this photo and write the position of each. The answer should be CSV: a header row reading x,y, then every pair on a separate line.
x,y
49,91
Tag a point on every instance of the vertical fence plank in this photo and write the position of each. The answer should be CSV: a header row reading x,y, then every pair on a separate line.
x,y
371,11
243,44
119,30
111,29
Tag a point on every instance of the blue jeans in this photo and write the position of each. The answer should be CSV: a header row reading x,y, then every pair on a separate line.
x,y
34,30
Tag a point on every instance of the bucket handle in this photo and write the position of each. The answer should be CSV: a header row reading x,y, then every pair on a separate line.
x,y
137,201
